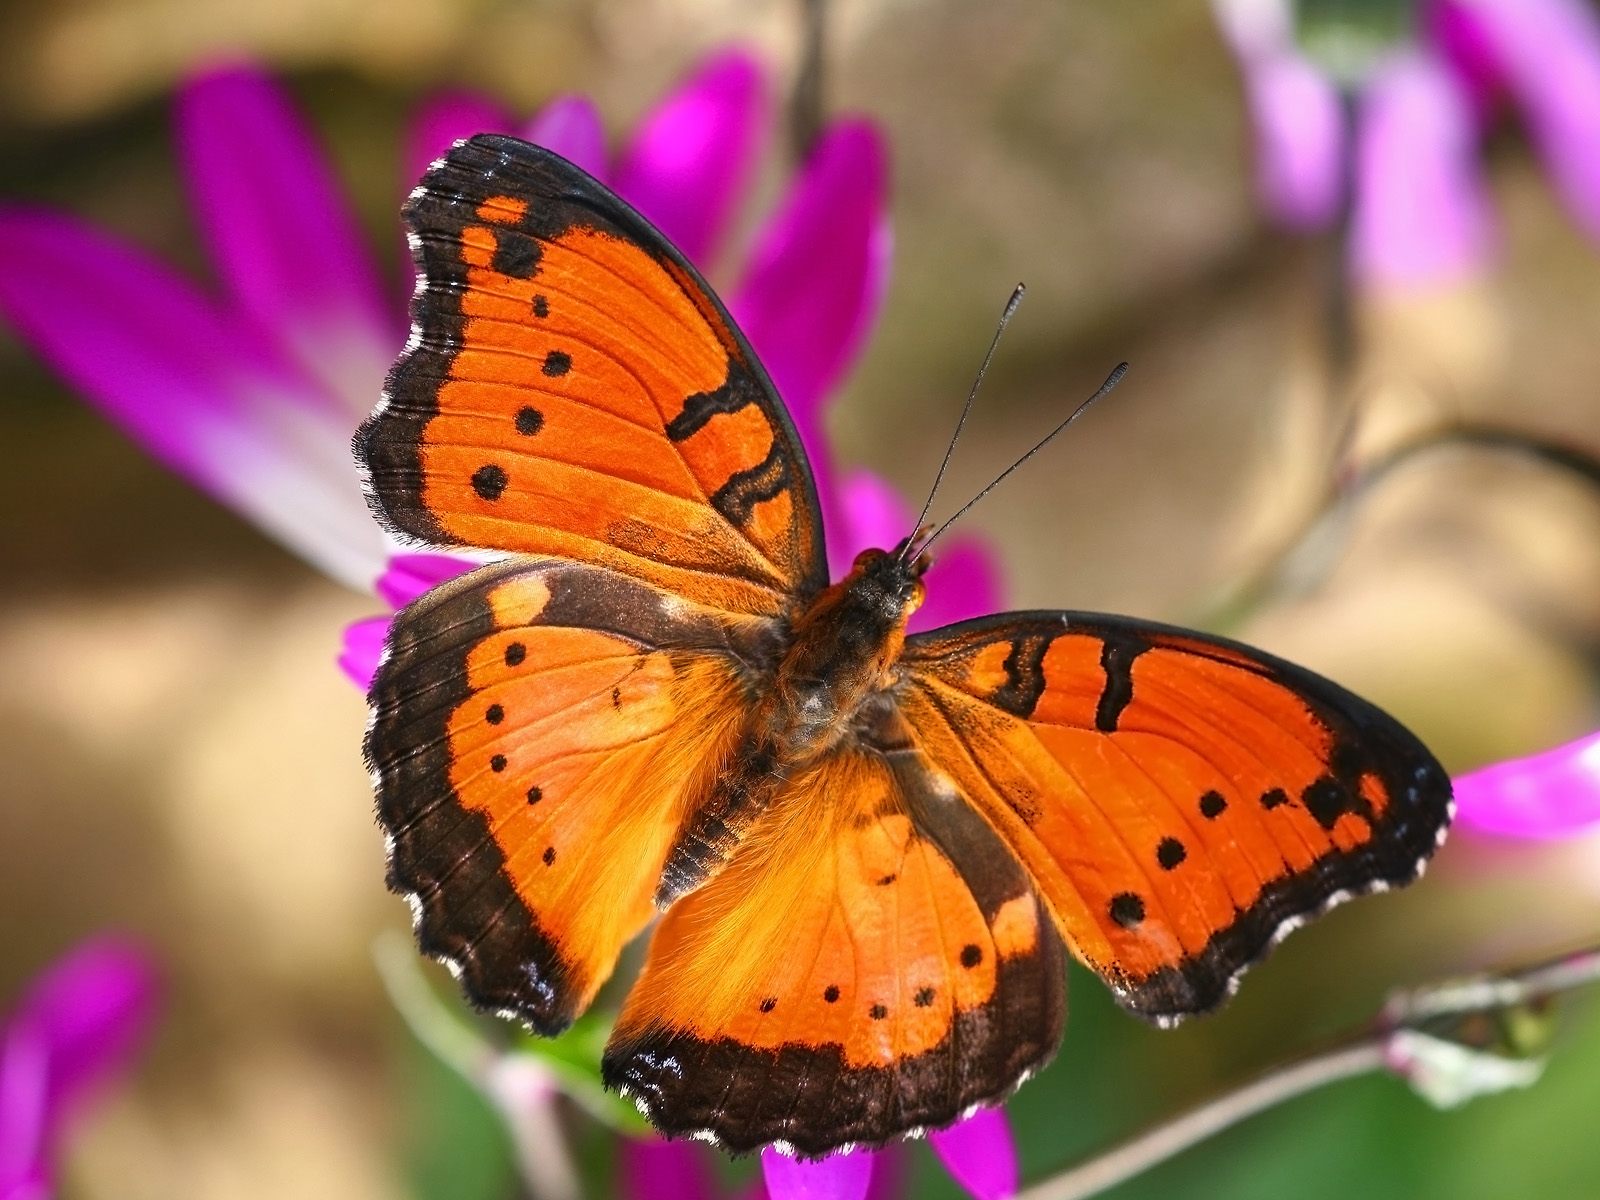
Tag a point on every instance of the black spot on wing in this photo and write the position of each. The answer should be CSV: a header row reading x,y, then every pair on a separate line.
x,y
515,254
1327,800
490,481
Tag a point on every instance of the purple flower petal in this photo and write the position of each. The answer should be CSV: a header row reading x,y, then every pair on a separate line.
x,y
1548,54
1459,38
78,1026
816,279
410,575
872,516
837,1177
964,582
437,126
1421,216
363,649
1548,795
441,123
571,126
199,391
1294,112
284,240
24,1104
979,1154
1299,135
655,1169
689,160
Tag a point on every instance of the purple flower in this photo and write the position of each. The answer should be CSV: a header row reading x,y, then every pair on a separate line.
x,y
978,1153
75,1028
1419,206
1548,795
249,390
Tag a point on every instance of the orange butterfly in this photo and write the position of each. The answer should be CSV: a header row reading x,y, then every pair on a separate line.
x,y
869,848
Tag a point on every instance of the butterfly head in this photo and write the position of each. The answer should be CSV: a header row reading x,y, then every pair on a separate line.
x,y
887,581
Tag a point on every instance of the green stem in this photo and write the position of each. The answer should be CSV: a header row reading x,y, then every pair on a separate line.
x,y
1358,1053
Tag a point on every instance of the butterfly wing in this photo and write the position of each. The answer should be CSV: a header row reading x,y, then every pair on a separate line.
x,y
872,961
1180,801
538,729
572,387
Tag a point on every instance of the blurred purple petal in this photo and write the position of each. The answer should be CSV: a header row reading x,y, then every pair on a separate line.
x,y
78,1025
1548,795
1548,54
838,1177
888,1173
1299,140
1421,215
964,582
441,123
1459,38
24,1104
571,126
874,516
142,344
199,391
363,649
980,1154
281,233
691,157
409,575
817,275
438,125
92,1010
654,1169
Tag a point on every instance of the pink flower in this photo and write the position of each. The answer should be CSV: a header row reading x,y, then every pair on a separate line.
x,y
75,1029
1548,795
1419,204
250,389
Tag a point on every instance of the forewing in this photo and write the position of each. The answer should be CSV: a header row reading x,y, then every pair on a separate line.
x,y
573,387
871,962
537,731
1180,801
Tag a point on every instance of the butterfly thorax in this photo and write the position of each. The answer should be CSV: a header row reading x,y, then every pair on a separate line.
x,y
844,650
842,653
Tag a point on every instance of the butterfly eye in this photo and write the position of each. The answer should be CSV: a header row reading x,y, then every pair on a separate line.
x,y
866,558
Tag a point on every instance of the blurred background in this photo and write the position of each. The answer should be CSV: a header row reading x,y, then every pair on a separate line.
x,y
182,755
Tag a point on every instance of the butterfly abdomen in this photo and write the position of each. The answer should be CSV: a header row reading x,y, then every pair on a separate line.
x,y
843,653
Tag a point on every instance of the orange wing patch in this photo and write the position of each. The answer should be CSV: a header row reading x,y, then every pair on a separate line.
x,y
871,961
1180,802
573,388
538,730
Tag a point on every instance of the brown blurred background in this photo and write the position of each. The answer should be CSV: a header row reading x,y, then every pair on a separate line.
x,y
181,756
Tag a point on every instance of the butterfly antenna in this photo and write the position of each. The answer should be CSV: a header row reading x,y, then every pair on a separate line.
x,y
1101,393
1011,307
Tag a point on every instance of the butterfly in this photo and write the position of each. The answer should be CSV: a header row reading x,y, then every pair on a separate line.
x,y
870,852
